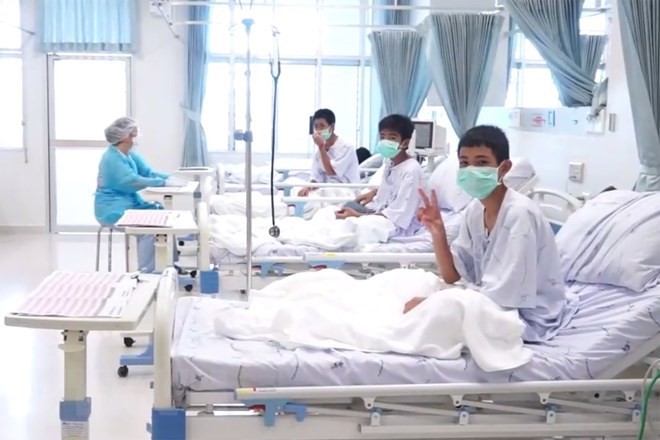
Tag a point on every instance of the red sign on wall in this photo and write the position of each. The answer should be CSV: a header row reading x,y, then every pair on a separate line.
x,y
538,120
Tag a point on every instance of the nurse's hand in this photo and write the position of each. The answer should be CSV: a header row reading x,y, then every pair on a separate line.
x,y
318,140
304,192
429,213
413,303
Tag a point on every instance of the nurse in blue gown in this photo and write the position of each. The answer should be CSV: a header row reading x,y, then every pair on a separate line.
x,y
122,173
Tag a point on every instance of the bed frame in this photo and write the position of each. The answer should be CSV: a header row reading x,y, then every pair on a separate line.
x,y
268,269
581,408
556,205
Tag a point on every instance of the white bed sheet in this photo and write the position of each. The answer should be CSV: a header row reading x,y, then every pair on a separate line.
x,y
610,323
418,243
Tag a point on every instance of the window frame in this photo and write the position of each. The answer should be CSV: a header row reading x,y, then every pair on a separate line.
x,y
54,144
17,53
521,64
362,61
52,59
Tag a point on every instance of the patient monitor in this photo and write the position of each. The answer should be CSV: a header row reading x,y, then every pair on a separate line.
x,y
430,141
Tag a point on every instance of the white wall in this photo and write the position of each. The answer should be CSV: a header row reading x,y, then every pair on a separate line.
x,y
158,81
551,154
610,159
158,89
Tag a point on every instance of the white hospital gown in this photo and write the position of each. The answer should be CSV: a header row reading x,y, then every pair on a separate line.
x,y
517,265
344,161
398,196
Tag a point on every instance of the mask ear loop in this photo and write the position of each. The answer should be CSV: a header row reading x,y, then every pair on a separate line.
x,y
500,179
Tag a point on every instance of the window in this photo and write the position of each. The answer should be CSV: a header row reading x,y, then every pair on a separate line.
x,y
530,81
11,72
81,84
324,63
78,83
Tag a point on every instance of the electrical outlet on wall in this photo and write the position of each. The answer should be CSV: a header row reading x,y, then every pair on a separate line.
x,y
576,172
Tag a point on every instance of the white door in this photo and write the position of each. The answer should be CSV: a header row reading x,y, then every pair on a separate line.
x,y
85,95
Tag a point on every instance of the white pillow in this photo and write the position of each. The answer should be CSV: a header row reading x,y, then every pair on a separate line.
x,y
522,172
613,240
443,181
374,161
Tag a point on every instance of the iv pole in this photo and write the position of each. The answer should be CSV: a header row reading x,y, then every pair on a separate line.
x,y
247,137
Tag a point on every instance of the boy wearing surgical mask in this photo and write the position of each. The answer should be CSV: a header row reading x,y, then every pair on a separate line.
x,y
397,197
505,248
334,160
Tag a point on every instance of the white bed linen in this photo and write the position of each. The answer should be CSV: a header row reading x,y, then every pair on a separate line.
x,y
323,232
330,309
611,322
268,247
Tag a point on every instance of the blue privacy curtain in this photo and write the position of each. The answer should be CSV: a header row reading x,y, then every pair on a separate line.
x,y
553,27
195,150
640,34
392,16
399,62
461,55
387,18
87,25
510,51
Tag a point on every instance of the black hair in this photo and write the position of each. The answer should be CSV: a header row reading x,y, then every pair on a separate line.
x,y
325,114
399,124
487,136
362,154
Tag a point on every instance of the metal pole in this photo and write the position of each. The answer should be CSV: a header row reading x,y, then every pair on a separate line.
x,y
248,22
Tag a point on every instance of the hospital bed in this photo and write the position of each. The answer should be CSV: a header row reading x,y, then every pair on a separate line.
x,y
274,260
521,177
566,390
574,385
555,205
228,179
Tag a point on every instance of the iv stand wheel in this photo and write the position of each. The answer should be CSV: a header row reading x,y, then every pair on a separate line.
x,y
122,371
128,342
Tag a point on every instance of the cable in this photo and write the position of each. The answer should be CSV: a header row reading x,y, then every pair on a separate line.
x,y
275,71
646,393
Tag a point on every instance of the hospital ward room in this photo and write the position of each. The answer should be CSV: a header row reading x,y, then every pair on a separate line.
x,y
329,219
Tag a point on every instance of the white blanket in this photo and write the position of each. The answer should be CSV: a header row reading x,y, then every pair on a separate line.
x,y
234,203
323,232
329,309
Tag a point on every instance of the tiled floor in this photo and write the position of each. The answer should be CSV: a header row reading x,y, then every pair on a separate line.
x,y
31,365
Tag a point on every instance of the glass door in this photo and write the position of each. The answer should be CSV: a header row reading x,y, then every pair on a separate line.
x,y
85,95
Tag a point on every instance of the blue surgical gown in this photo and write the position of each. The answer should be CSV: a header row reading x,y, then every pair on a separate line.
x,y
120,177
516,265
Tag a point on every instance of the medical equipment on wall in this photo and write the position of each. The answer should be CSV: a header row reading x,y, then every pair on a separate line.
x,y
246,136
429,141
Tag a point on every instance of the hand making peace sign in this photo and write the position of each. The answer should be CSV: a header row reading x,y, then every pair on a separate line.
x,y
429,213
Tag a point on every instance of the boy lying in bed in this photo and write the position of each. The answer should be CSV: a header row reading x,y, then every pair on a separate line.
x,y
397,198
505,246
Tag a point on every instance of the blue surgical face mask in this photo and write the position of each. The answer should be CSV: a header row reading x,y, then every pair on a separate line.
x,y
325,134
478,182
388,149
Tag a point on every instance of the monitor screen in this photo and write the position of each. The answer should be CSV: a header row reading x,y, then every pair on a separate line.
x,y
423,135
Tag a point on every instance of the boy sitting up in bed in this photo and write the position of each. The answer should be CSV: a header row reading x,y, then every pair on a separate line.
x,y
397,198
505,247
